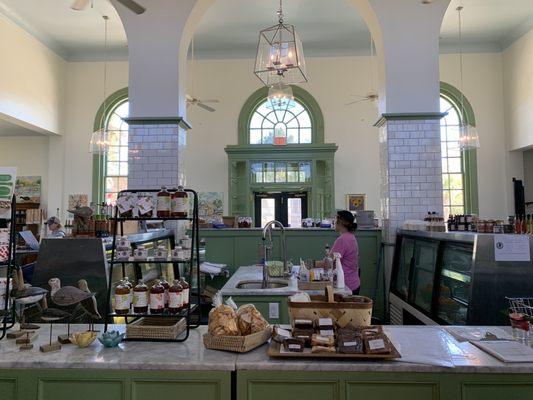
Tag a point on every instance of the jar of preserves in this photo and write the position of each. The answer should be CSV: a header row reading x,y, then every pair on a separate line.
x,y
157,298
165,285
140,298
122,298
175,297
180,203
163,203
186,292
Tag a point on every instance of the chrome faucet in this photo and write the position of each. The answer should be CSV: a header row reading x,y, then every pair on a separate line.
x,y
267,232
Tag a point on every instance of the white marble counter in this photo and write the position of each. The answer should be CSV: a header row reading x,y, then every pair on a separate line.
x,y
187,356
427,349
255,273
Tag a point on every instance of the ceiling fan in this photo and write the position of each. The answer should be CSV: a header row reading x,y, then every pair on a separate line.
x,y
190,99
372,95
80,5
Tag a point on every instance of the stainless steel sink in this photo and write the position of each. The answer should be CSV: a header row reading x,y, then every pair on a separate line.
x,y
272,284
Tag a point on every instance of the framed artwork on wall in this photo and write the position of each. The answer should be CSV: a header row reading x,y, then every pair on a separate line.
x,y
355,202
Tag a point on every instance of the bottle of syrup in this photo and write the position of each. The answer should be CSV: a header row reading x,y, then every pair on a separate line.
x,y
140,298
186,291
166,286
128,283
163,203
122,298
157,298
175,300
180,203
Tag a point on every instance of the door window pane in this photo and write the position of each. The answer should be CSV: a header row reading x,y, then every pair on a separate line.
x,y
294,212
268,211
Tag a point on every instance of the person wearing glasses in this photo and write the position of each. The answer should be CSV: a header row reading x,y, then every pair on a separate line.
x,y
346,245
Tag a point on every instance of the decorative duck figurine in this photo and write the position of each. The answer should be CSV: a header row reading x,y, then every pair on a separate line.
x,y
70,295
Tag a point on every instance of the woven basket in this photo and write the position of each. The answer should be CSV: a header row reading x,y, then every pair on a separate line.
x,y
156,328
345,313
238,344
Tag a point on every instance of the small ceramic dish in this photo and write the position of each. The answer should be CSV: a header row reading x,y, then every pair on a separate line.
x,y
111,338
83,339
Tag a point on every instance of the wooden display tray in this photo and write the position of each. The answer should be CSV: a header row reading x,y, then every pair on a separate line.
x,y
274,351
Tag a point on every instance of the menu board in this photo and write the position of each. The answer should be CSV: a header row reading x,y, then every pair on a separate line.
x,y
512,248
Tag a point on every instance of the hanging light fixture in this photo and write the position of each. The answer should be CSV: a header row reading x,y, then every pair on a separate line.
x,y
468,134
280,97
99,142
280,54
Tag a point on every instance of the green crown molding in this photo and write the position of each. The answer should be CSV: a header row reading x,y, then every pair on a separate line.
x,y
301,95
469,157
159,121
407,116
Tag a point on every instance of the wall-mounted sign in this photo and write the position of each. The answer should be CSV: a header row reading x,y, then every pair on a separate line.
x,y
512,248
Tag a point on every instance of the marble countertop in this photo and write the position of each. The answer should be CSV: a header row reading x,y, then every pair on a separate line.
x,y
423,348
190,355
255,273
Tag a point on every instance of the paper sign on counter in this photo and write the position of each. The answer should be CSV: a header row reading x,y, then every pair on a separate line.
x,y
512,248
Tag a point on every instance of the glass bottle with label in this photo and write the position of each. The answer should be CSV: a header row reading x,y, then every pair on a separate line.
x,y
185,294
128,283
157,298
166,286
140,298
175,297
180,203
163,203
122,298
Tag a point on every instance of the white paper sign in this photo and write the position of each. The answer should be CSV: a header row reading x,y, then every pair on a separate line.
x,y
511,248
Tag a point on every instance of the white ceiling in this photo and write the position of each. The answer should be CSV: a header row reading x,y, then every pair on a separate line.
x,y
230,27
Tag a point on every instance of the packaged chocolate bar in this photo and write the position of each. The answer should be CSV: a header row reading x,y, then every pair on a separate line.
x,y
304,334
303,324
325,324
294,345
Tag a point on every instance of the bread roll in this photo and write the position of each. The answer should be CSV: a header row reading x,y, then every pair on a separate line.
x,y
223,321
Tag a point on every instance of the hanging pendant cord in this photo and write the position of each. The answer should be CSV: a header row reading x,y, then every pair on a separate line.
x,y
103,146
459,9
280,11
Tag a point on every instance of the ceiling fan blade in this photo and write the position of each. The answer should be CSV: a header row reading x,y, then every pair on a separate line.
x,y
188,97
356,101
210,101
205,107
133,6
80,5
356,95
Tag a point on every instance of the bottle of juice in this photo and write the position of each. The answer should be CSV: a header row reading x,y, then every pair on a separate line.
x,y
157,298
175,300
140,298
163,203
166,286
122,298
186,291
180,203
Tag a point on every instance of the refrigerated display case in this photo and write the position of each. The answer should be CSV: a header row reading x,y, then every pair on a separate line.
x,y
453,279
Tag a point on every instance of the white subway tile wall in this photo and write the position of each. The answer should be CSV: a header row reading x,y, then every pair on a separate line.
x,y
411,178
155,156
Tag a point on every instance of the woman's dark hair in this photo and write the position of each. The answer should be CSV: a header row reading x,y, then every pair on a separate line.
x,y
346,218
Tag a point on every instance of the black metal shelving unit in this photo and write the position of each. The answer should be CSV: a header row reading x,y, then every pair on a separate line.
x,y
194,298
8,318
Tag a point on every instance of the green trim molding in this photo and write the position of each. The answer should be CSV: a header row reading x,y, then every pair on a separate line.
x,y
321,189
469,157
159,121
301,95
105,109
407,117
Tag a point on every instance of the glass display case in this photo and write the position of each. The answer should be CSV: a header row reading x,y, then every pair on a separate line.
x,y
453,279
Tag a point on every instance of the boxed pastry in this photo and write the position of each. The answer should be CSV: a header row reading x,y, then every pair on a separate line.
x,y
378,344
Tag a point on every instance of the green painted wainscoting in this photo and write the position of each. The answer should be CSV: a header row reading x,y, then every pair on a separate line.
x,y
84,384
289,385
240,247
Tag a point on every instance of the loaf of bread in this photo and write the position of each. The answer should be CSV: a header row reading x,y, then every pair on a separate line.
x,y
223,321
250,320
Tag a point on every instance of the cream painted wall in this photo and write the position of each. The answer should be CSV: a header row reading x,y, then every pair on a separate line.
x,y
29,155
483,86
31,80
518,84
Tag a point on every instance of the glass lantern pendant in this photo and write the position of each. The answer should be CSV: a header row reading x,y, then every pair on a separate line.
x,y
280,97
280,54
468,137
98,143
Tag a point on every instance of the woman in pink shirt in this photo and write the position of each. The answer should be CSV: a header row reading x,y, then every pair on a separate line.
x,y
346,246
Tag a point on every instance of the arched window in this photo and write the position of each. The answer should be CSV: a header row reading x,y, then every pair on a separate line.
x,y
290,124
116,160
110,170
459,174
